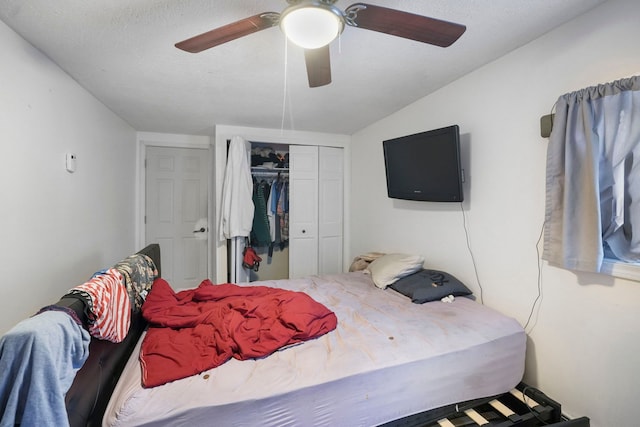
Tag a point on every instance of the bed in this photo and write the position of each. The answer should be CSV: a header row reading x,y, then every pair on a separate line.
x,y
389,361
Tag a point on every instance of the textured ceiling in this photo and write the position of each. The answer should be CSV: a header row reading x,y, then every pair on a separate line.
x,y
123,52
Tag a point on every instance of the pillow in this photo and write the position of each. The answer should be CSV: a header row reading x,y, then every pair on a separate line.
x,y
388,268
430,285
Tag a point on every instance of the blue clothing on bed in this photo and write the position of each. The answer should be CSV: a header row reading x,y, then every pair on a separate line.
x,y
39,358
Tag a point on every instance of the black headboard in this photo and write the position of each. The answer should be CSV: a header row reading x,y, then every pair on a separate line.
x,y
89,394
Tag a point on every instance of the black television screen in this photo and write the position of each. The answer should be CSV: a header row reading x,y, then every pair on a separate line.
x,y
425,166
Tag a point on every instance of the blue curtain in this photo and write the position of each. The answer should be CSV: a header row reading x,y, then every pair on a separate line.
x,y
593,177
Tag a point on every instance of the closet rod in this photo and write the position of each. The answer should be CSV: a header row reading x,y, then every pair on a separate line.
x,y
269,173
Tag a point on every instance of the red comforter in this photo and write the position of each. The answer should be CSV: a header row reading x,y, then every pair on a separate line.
x,y
198,329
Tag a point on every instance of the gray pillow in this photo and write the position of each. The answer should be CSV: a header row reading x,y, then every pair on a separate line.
x,y
430,285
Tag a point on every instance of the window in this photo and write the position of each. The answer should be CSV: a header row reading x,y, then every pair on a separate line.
x,y
624,270
592,216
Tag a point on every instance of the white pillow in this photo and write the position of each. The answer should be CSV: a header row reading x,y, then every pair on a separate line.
x,y
389,268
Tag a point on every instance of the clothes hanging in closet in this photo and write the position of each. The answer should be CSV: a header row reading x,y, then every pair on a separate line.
x,y
279,214
271,213
236,209
260,233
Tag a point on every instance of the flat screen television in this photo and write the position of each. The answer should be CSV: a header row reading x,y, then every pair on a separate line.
x,y
425,166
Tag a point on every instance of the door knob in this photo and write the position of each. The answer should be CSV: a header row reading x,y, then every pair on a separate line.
x,y
200,229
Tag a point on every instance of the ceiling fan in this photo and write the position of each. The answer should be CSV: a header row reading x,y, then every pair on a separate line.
x,y
313,24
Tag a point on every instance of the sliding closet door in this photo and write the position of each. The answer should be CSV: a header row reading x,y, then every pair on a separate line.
x,y
303,211
330,209
316,210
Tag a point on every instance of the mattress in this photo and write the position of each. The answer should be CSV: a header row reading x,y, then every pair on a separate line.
x,y
387,359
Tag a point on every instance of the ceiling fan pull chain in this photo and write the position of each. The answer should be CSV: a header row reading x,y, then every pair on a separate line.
x,y
284,83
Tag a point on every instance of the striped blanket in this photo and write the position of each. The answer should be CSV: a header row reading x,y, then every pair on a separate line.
x,y
109,305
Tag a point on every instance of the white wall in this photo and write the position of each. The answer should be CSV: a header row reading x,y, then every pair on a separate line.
x,y
584,347
57,227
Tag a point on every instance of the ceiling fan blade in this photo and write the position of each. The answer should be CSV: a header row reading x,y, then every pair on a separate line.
x,y
403,24
229,32
318,66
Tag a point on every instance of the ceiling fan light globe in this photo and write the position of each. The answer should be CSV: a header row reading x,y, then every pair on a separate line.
x,y
311,27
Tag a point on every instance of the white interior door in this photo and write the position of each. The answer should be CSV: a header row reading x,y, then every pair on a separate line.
x,y
303,211
330,210
176,212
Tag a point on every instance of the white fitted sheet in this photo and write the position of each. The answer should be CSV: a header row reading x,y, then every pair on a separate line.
x,y
387,359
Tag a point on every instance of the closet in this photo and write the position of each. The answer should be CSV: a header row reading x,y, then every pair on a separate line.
x,y
270,232
308,213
